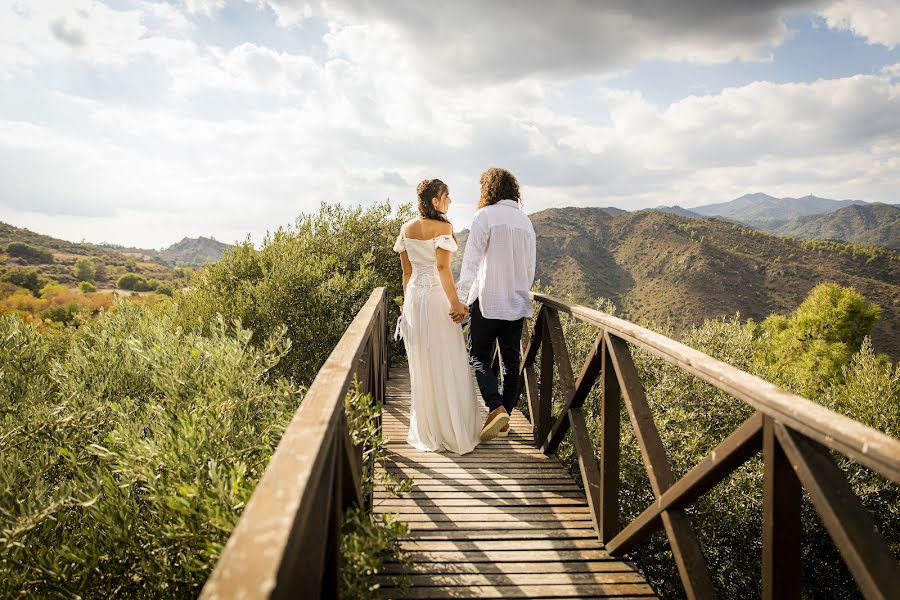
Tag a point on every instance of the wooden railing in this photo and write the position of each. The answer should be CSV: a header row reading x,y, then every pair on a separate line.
x,y
286,543
796,437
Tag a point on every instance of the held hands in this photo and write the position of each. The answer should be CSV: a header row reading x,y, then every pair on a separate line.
x,y
459,312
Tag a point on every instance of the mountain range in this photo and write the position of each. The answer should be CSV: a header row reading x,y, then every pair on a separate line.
x,y
809,217
662,267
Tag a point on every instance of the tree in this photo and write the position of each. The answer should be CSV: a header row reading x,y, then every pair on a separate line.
x,y
807,350
131,281
101,273
84,269
26,278
87,287
312,278
164,289
28,253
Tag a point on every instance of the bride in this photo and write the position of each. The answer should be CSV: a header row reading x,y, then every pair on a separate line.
x,y
443,411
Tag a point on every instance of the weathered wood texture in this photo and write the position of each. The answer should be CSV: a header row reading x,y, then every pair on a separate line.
x,y
505,521
794,434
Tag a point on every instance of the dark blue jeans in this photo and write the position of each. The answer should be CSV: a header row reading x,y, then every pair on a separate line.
x,y
485,332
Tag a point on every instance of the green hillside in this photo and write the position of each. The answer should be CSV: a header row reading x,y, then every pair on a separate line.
x,y
658,266
59,257
872,224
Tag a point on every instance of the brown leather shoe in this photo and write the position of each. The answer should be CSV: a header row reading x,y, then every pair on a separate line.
x,y
496,420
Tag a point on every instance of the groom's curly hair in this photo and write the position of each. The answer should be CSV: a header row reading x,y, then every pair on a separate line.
x,y
497,184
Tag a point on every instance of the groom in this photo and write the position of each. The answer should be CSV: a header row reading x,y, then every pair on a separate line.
x,y
495,280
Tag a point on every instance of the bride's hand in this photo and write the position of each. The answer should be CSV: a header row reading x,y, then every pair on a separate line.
x,y
459,312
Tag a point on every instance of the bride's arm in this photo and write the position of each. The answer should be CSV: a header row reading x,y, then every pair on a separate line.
x,y
446,276
407,270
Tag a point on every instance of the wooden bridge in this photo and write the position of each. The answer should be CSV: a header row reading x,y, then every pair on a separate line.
x,y
508,521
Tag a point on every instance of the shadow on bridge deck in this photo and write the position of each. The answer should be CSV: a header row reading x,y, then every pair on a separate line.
x,y
504,521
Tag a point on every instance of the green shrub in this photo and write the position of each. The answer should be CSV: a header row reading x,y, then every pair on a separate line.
x,y
27,278
808,349
65,313
369,539
29,254
129,457
133,282
165,289
311,279
87,287
84,269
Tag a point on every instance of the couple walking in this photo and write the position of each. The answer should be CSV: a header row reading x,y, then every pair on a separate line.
x,y
492,292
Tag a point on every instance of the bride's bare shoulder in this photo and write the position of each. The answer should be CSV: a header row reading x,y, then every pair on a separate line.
x,y
408,225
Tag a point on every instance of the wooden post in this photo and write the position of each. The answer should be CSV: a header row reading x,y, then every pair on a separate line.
x,y
331,572
782,524
545,397
609,448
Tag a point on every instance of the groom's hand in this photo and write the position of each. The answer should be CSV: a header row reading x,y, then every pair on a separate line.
x,y
459,313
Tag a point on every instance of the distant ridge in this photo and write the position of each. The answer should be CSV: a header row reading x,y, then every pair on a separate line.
x,y
762,211
677,210
189,252
875,224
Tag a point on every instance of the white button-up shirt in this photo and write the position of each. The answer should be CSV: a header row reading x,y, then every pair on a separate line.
x,y
498,266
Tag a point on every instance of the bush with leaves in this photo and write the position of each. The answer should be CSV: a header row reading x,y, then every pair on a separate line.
x,y
808,349
135,283
84,269
27,278
86,287
368,540
29,254
312,279
693,417
129,455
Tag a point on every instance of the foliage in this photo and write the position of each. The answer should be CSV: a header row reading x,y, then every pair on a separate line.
x,y
136,283
86,287
84,269
26,278
164,289
312,279
30,254
369,539
129,455
693,417
131,443
809,348
56,303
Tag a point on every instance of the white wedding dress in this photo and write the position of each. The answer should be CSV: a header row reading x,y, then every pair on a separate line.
x,y
443,412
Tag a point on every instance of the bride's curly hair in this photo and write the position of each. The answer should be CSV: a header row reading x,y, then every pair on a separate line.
x,y
497,184
427,190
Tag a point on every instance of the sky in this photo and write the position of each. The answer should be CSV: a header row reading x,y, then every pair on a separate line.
x,y
141,122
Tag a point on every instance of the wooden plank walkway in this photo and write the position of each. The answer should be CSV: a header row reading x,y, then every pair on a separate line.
x,y
504,521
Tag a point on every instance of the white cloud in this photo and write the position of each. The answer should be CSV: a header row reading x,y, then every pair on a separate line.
x,y
878,21
205,7
243,138
474,42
